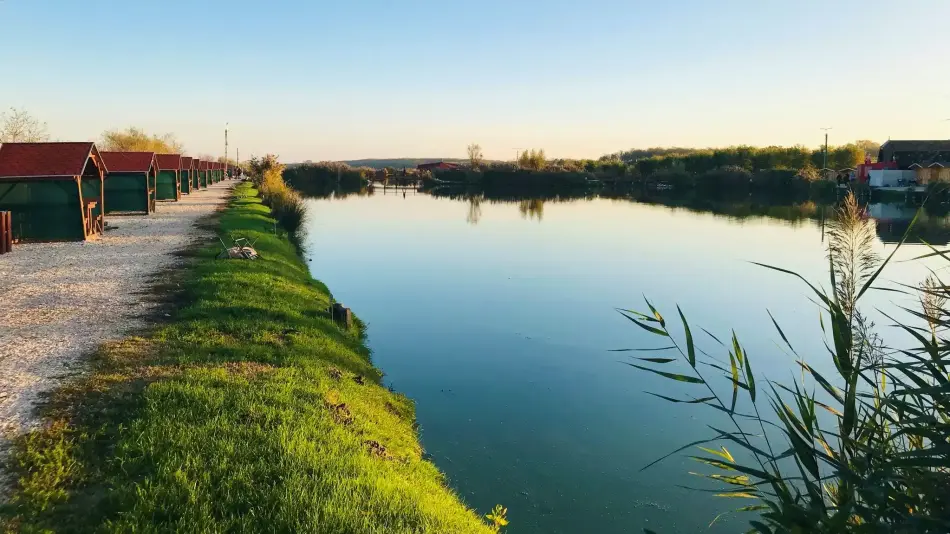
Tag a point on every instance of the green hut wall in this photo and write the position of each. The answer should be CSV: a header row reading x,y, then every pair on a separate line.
x,y
128,192
46,210
166,186
186,182
204,179
195,180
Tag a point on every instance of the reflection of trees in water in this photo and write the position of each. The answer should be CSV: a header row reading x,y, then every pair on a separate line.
x,y
532,209
474,209
933,226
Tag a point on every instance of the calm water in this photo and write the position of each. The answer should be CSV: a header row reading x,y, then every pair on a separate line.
x,y
498,318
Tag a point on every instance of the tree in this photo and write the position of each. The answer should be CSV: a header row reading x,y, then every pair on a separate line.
x,y
475,156
533,159
18,126
870,148
136,140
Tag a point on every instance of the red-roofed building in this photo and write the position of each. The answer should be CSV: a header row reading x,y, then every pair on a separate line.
x,y
168,182
187,175
53,190
130,182
203,178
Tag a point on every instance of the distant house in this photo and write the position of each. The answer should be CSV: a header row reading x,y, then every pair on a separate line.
x,y
929,161
907,153
438,166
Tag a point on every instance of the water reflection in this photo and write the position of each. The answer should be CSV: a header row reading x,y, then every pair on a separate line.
x,y
531,209
499,329
474,209
893,219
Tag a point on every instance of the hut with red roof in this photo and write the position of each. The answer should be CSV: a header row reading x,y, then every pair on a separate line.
x,y
216,171
168,181
130,182
187,175
53,190
202,167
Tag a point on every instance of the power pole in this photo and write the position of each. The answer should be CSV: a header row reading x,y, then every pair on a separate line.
x,y
825,163
226,143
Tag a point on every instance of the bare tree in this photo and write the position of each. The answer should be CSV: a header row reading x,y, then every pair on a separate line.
x,y
18,126
475,156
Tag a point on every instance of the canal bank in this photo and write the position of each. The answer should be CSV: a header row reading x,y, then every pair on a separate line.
x,y
250,410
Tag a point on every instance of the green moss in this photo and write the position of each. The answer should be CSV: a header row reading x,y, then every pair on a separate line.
x,y
250,412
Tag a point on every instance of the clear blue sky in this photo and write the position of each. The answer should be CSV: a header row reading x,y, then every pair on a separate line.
x,y
352,79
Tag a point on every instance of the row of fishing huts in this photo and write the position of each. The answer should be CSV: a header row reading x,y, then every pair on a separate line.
x,y
63,191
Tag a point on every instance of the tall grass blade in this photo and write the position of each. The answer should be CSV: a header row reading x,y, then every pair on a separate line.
x,y
690,349
671,376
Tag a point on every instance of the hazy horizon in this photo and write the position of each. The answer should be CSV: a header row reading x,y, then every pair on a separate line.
x,y
373,80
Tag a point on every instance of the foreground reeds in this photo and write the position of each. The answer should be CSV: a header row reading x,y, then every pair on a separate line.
x,y
866,450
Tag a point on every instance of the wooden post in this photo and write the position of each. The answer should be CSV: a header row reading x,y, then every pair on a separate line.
x,y
6,232
342,315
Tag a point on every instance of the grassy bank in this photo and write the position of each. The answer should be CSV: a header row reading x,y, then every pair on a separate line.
x,y
249,411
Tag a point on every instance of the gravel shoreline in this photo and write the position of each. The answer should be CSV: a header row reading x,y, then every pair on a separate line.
x,y
60,301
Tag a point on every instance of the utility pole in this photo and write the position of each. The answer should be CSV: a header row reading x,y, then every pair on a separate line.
x,y
825,164
226,143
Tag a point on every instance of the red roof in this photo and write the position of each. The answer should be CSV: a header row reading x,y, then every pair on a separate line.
x,y
22,160
202,165
168,162
129,161
187,163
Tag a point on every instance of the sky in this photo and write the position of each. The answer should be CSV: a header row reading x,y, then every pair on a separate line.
x,y
316,80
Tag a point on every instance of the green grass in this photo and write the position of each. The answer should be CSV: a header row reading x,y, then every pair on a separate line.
x,y
250,411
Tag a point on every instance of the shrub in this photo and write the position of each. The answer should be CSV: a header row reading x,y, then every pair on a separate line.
x,y
287,206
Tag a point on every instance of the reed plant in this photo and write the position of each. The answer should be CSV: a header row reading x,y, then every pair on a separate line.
x,y
862,450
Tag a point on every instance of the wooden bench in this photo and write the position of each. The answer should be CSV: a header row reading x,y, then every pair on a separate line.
x,y
93,223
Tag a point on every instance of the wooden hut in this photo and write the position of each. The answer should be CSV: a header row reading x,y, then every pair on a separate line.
x,y
187,175
203,181
54,190
130,182
168,182
216,171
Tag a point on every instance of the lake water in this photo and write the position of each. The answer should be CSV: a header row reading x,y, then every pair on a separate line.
x,y
498,319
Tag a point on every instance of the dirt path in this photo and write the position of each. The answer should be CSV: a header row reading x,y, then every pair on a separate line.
x,y
59,301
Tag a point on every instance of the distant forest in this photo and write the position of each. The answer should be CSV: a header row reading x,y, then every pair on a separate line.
x,y
846,153
400,163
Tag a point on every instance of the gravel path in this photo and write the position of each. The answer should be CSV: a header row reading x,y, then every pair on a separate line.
x,y
59,301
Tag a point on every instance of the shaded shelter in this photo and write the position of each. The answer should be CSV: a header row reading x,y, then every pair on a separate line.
x,y
130,181
168,182
53,190
187,175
